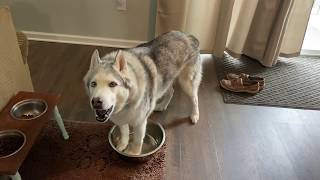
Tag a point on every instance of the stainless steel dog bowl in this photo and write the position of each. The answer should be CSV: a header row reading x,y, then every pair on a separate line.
x,y
29,109
153,141
11,141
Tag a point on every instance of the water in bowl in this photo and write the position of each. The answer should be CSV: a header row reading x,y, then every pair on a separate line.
x,y
149,143
10,142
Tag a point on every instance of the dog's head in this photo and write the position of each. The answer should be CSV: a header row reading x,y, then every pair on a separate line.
x,y
107,84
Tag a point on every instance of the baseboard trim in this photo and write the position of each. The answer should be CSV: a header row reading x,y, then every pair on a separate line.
x,y
85,40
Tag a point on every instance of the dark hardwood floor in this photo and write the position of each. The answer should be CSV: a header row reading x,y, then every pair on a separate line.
x,y
229,142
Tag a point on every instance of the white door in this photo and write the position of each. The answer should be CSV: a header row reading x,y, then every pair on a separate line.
x,y
311,43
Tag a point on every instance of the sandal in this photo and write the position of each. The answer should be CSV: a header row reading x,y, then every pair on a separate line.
x,y
247,77
240,85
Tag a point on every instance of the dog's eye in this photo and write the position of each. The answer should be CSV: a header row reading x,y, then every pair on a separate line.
x,y
113,84
93,84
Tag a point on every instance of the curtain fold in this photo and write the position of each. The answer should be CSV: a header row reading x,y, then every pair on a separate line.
x,y
171,16
267,30
261,29
296,28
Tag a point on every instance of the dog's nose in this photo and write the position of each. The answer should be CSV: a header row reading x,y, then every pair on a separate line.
x,y
96,103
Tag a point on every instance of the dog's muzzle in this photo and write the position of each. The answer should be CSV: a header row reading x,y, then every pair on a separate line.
x,y
103,115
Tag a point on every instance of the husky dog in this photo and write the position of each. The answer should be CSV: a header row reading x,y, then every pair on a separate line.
x,y
130,84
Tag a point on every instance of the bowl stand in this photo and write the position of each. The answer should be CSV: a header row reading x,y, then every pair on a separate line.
x,y
31,128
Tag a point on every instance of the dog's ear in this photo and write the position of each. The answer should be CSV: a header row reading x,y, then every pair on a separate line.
x,y
120,64
95,59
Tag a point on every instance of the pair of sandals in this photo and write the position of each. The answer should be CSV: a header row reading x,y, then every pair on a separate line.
x,y
243,83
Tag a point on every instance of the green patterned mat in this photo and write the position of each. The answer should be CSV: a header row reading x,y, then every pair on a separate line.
x,y
292,83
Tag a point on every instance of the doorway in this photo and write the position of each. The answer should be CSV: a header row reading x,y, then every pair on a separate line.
x,y
311,43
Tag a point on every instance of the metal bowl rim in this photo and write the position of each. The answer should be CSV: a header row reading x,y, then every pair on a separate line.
x,y
24,101
140,155
17,132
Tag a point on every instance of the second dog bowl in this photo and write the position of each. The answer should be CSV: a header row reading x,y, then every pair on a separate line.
x,y
29,109
11,141
153,141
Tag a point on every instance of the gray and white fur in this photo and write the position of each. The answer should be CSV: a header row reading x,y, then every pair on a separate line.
x,y
127,84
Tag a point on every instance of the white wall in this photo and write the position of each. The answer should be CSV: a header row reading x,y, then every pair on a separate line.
x,y
97,18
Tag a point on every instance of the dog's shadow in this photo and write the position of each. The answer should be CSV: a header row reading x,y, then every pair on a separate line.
x,y
177,122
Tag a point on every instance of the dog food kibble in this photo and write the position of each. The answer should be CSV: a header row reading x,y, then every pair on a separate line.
x,y
27,116
9,144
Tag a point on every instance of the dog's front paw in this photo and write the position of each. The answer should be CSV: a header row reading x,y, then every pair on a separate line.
x,y
122,146
194,118
133,150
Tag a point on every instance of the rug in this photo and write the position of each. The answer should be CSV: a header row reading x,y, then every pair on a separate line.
x,y
86,155
292,82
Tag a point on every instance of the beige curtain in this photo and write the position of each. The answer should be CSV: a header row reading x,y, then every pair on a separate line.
x,y
261,29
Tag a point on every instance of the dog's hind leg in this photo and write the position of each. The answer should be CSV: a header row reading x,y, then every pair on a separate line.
x,y
124,137
189,80
164,101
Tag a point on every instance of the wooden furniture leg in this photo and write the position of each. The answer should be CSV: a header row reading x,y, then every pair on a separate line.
x,y
15,177
59,121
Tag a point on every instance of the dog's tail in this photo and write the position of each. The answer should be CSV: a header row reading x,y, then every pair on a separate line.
x,y
194,41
